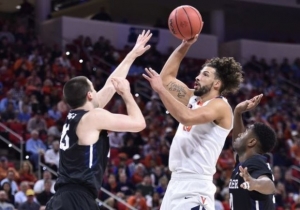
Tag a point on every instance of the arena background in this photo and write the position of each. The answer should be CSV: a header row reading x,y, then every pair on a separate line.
x,y
46,42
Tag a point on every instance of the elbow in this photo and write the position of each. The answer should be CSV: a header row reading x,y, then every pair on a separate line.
x,y
140,125
185,121
273,189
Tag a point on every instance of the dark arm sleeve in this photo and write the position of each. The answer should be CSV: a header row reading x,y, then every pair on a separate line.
x,y
256,168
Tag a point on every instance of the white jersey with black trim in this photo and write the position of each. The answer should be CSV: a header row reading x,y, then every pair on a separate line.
x,y
196,149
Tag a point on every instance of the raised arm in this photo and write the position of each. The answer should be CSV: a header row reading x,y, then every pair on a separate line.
x,y
169,73
133,122
245,106
108,90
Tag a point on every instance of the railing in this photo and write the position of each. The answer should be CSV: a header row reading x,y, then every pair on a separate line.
x,y
102,189
10,144
297,168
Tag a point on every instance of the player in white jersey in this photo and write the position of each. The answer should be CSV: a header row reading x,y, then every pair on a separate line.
x,y
205,119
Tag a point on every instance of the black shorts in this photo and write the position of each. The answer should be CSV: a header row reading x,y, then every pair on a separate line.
x,y
72,197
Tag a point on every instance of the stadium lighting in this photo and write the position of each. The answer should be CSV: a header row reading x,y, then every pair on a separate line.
x,y
80,61
18,7
10,145
67,53
137,95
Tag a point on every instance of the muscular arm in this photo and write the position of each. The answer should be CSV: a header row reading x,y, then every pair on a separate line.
x,y
188,116
169,72
264,185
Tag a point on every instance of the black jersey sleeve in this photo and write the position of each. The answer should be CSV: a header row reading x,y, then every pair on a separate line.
x,y
258,167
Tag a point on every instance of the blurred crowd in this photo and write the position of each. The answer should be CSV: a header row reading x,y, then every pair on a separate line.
x,y
32,75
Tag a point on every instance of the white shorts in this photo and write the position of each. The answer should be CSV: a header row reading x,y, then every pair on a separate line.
x,y
189,192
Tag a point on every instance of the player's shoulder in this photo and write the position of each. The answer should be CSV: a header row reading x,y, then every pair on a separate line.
x,y
256,161
219,101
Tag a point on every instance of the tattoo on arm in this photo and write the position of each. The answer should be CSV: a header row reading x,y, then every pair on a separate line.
x,y
181,92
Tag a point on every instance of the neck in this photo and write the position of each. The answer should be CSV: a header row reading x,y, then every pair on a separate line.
x,y
86,106
246,155
208,97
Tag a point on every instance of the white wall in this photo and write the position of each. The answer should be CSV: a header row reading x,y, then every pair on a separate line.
x,y
286,3
242,50
205,47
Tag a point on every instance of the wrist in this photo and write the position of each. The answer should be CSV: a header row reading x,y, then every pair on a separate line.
x,y
237,113
126,95
131,56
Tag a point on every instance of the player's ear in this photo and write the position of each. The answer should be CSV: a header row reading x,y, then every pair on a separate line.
x,y
217,83
89,96
252,142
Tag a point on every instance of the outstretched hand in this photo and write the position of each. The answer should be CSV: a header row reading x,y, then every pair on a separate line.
x,y
140,46
248,105
249,181
154,78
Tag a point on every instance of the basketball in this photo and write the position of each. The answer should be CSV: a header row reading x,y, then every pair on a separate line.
x,y
185,22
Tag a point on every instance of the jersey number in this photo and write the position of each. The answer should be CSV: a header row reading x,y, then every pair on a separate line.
x,y
64,140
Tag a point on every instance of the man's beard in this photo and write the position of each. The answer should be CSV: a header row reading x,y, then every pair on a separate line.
x,y
203,90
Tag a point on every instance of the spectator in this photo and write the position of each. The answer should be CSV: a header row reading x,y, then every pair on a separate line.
x,y
35,147
37,123
3,202
11,180
156,175
29,204
295,152
5,101
20,196
6,187
24,116
54,113
136,161
137,201
116,139
126,186
52,156
17,91
152,159
145,186
39,186
55,130
26,8
26,173
112,186
9,114
46,194
162,186
102,15
3,167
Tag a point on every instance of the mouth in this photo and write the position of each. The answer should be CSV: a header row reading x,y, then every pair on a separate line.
x,y
197,85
